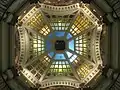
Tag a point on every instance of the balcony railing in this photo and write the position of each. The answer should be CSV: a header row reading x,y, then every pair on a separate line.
x,y
4,5
116,83
3,84
115,5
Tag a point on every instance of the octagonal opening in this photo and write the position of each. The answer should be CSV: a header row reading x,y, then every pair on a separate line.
x,y
60,45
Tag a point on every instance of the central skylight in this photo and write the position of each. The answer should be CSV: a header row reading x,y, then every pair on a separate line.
x,y
59,46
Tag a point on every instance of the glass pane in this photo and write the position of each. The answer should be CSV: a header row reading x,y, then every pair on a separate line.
x,y
69,36
35,45
63,28
73,58
71,45
59,57
48,45
51,54
69,54
59,24
50,35
59,34
56,28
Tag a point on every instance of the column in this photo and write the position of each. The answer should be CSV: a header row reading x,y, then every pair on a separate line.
x,y
115,45
4,38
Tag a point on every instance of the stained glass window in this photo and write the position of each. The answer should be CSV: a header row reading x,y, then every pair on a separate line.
x,y
60,68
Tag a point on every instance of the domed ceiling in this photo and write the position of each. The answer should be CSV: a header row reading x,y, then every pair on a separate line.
x,y
59,45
